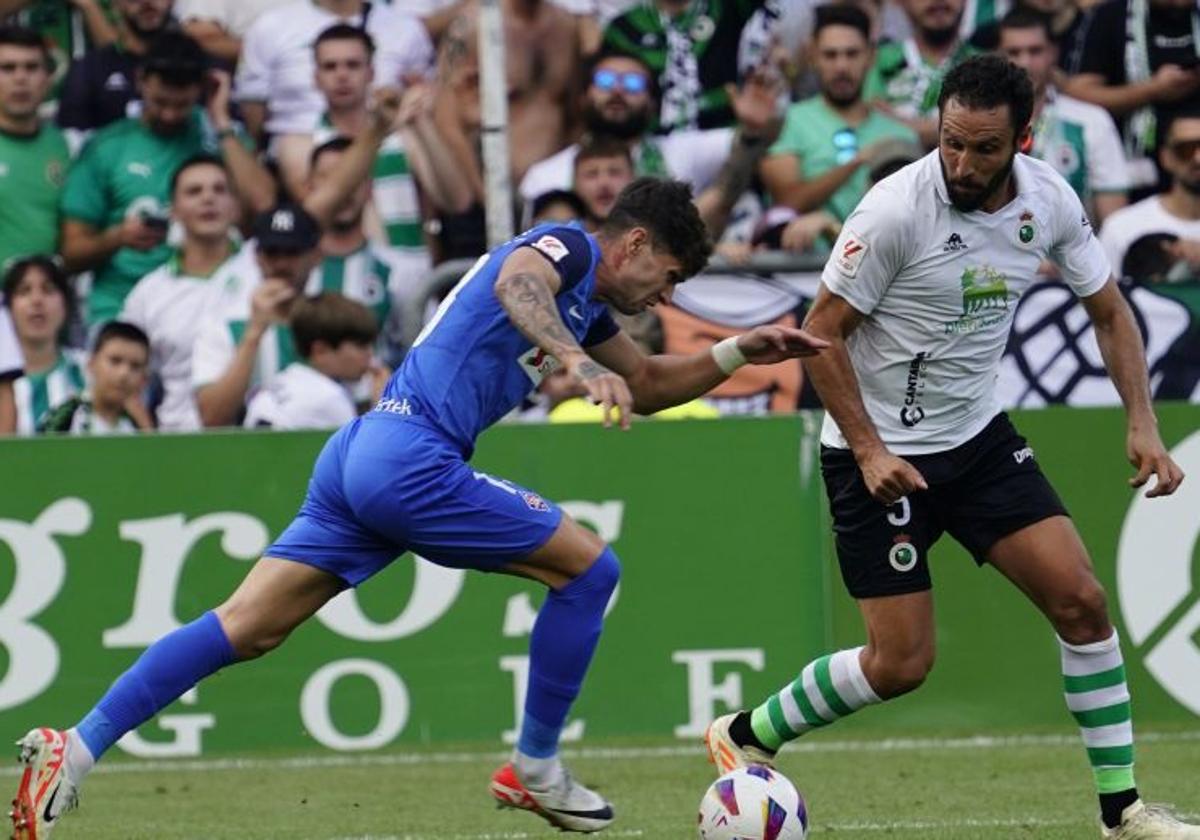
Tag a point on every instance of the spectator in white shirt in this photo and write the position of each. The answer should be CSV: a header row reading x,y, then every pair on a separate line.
x,y
334,337
413,172
220,25
167,303
1176,211
275,77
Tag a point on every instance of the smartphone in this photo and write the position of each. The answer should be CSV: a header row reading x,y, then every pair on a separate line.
x,y
156,221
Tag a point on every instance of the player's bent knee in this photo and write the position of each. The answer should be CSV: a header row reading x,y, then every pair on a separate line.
x,y
892,674
249,636
1081,617
605,571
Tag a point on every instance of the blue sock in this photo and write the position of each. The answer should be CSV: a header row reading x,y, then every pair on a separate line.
x,y
167,669
560,650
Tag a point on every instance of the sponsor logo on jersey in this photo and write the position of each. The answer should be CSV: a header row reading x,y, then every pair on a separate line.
x,y
142,170
850,254
534,502
574,312
911,413
954,243
985,300
1023,455
903,554
552,247
392,406
537,364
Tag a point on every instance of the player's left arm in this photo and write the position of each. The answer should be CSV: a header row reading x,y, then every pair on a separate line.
x,y
1120,343
659,382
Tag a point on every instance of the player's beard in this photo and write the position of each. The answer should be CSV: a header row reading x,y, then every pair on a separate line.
x,y
1190,185
630,128
941,37
972,202
842,100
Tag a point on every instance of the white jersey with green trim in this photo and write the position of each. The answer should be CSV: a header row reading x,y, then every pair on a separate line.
x,y
938,289
1081,141
365,275
224,322
37,393
165,304
301,398
393,189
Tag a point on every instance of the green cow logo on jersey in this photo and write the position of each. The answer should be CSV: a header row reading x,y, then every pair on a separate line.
x,y
985,299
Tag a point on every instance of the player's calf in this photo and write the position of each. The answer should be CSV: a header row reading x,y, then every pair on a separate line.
x,y
892,672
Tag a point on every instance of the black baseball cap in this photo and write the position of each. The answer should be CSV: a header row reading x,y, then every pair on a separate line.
x,y
286,227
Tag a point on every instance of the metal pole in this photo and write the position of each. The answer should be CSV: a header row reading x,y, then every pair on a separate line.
x,y
493,92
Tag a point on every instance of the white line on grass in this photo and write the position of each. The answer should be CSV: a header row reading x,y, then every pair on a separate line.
x,y
934,825
318,762
491,835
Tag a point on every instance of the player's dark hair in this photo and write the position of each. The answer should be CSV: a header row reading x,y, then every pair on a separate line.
x,y
120,330
1185,111
1020,18
567,197
332,318
49,266
836,14
983,82
665,209
603,147
346,32
176,60
335,144
22,36
193,162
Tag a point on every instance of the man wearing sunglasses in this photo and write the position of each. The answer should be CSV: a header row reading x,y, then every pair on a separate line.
x,y
619,103
1176,211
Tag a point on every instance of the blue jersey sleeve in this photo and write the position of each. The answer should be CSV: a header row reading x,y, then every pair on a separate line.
x,y
567,249
601,330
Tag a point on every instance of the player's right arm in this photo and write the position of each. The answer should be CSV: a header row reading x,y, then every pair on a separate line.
x,y
868,255
887,476
526,288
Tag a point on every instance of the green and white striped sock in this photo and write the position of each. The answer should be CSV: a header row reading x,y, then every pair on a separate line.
x,y
1098,697
827,689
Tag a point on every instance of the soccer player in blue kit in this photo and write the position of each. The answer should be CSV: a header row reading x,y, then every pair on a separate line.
x,y
397,479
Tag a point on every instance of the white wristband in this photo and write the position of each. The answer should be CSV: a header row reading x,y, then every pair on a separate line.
x,y
728,355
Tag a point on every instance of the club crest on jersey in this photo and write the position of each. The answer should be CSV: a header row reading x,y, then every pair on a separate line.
x,y
850,253
535,502
537,364
552,247
1026,232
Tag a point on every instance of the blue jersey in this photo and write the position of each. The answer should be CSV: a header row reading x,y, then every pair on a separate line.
x,y
470,366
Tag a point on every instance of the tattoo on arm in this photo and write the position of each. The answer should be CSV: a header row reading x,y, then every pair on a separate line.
x,y
531,308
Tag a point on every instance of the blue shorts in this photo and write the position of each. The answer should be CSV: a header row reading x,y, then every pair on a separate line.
x,y
386,484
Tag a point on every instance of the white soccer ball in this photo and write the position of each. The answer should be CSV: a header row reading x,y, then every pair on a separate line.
x,y
753,803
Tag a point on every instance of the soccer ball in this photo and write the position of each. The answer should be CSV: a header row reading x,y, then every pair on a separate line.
x,y
753,803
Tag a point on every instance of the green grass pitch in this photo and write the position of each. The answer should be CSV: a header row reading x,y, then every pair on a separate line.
x,y
933,789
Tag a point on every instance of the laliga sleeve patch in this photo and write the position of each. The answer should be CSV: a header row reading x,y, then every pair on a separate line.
x,y
552,247
850,253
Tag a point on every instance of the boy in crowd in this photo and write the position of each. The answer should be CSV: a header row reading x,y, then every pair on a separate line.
x,y
334,336
117,373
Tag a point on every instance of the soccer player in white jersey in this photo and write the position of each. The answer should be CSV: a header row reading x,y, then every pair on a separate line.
x,y
917,301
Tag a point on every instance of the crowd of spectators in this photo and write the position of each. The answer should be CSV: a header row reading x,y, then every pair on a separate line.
x,y
221,212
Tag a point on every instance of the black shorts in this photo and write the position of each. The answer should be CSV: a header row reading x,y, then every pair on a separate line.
x,y
979,491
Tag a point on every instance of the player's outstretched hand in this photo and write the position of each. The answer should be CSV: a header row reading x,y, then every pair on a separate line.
x,y
889,478
604,388
1149,457
770,344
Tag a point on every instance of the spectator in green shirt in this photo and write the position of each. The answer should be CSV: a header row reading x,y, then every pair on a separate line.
x,y
33,153
823,154
114,208
907,76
